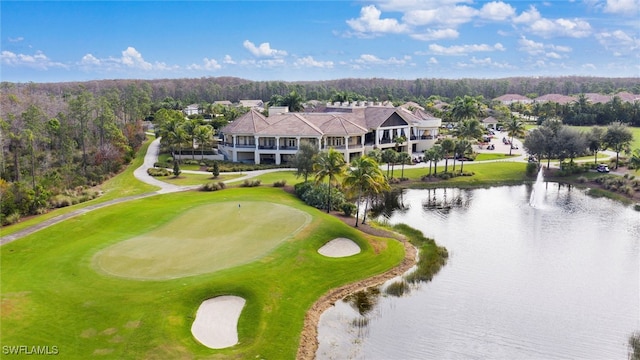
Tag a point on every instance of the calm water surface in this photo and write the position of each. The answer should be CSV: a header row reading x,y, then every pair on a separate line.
x,y
560,281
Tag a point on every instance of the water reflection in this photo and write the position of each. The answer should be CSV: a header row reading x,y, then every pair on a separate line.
x,y
557,282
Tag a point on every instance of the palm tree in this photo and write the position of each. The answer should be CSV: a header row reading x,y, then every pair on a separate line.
x,y
436,153
362,177
171,131
388,156
634,160
464,108
514,128
448,145
594,140
203,134
470,129
189,128
429,155
329,164
403,158
462,147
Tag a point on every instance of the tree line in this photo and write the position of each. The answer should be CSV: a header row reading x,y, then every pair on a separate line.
x,y
211,89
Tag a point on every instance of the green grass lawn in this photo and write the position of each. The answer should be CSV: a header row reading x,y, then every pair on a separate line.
x,y
204,239
196,179
53,295
484,174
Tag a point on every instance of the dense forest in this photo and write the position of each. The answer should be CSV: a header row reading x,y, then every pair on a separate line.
x,y
59,139
377,89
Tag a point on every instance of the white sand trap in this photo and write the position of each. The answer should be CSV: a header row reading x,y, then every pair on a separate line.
x,y
340,247
216,323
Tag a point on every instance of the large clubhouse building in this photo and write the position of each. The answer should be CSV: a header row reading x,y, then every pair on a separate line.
x,y
352,129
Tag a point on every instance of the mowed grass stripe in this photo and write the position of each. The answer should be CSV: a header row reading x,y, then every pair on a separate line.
x,y
204,239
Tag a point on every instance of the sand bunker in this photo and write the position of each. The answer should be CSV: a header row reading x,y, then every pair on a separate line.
x,y
340,247
216,323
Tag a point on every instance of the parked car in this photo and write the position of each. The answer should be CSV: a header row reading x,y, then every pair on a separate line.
x,y
602,168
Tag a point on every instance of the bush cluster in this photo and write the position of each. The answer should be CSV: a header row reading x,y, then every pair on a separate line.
x,y
158,171
280,183
317,195
250,183
213,186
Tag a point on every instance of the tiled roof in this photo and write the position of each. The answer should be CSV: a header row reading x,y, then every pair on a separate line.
x,y
556,98
356,122
512,97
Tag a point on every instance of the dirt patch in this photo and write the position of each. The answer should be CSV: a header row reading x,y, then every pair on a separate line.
x,y
87,333
14,304
309,337
132,324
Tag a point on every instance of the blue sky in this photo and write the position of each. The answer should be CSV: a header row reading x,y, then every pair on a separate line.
x,y
55,41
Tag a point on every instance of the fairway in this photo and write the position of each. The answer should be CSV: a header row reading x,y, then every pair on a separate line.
x,y
203,240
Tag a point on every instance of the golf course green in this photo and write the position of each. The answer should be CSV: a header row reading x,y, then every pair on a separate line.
x,y
204,239
58,286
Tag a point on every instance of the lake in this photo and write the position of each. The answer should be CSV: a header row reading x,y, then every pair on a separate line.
x,y
558,281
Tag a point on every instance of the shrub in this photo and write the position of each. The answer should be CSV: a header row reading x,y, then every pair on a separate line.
x,y
222,185
582,179
158,172
280,183
532,169
250,183
11,218
317,196
211,186
348,208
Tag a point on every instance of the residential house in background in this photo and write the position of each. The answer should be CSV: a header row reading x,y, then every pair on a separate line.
x,y
353,129
193,109
509,99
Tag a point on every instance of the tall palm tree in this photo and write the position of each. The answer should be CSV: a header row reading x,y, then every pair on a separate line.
x,y
429,155
329,164
470,129
203,134
363,176
403,158
466,107
448,145
388,156
189,128
514,128
463,147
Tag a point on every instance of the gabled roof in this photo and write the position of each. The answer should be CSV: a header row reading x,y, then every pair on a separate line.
x,y
290,123
341,124
490,120
627,96
249,123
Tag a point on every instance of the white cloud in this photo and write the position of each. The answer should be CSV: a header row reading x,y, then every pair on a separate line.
x,y
536,24
264,50
130,59
368,59
207,64
228,60
433,61
618,41
133,59
450,16
539,49
370,22
37,61
623,7
89,59
17,39
484,63
311,62
528,17
464,49
497,10
431,35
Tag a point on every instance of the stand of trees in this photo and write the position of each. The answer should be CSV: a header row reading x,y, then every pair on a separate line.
x,y
55,147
